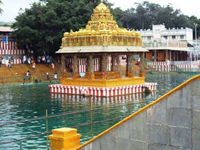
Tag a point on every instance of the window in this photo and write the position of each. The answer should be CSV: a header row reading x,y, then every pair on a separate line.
x,y
181,37
149,37
173,37
165,37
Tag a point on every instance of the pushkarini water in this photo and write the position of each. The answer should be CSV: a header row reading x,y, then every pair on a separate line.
x,y
23,102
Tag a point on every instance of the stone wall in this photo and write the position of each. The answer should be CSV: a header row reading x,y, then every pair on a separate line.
x,y
171,124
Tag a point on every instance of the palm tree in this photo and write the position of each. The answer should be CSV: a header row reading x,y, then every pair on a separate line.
x,y
1,10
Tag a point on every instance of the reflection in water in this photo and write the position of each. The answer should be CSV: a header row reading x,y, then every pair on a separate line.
x,y
18,102
65,98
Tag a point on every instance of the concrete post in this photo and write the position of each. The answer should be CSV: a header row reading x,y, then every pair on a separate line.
x,y
64,139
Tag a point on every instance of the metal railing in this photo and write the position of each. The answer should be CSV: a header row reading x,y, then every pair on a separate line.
x,y
67,114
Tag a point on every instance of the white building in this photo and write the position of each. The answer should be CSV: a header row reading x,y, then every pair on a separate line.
x,y
171,49
8,46
159,32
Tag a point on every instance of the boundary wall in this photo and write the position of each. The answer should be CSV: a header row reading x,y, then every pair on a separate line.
x,y
177,66
172,122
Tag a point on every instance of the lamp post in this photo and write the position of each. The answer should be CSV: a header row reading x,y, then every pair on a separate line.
x,y
195,25
196,32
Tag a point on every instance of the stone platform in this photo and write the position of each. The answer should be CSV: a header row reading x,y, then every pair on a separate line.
x,y
102,91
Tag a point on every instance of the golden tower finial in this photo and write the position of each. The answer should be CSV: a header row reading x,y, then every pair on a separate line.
x,y
101,1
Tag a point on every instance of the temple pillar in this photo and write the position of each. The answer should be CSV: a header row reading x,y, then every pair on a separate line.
x,y
90,68
113,67
170,55
166,55
100,63
142,71
155,56
118,67
130,70
104,63
177,56
187,56
75,67
63,63
174,55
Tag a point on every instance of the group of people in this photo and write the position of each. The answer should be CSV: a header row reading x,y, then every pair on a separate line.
x,y
35,79
10,61
40,59
43,59
1,60
27,60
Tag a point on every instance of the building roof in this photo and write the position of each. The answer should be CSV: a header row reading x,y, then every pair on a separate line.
x,y
101,49
169,48
6,29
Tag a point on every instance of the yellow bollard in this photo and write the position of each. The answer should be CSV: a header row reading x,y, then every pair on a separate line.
x,y
64,139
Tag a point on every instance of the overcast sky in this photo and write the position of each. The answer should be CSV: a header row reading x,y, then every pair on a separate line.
x,y
188,7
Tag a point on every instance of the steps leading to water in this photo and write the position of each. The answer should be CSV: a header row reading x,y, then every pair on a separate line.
x,y
20,70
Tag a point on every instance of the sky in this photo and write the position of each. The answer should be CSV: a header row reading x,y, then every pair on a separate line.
x,y
188,7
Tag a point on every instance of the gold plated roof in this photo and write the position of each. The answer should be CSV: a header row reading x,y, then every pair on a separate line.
x,y
102,29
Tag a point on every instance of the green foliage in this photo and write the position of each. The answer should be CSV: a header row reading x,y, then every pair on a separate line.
x,y
144,15
6,24
1,10
42,26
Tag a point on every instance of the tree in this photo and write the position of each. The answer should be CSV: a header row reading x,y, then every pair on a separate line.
x,y
144,15
1,10
41,27
194,20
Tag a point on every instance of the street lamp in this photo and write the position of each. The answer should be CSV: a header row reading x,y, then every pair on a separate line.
x,y
196,32
195,25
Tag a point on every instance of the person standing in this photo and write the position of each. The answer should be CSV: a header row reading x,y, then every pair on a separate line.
x,y
55,75
28,75
21,58
24,59
47,76
35,77
34,65
52,65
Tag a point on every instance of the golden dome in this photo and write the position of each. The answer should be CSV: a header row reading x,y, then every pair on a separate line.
x,y
102,29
